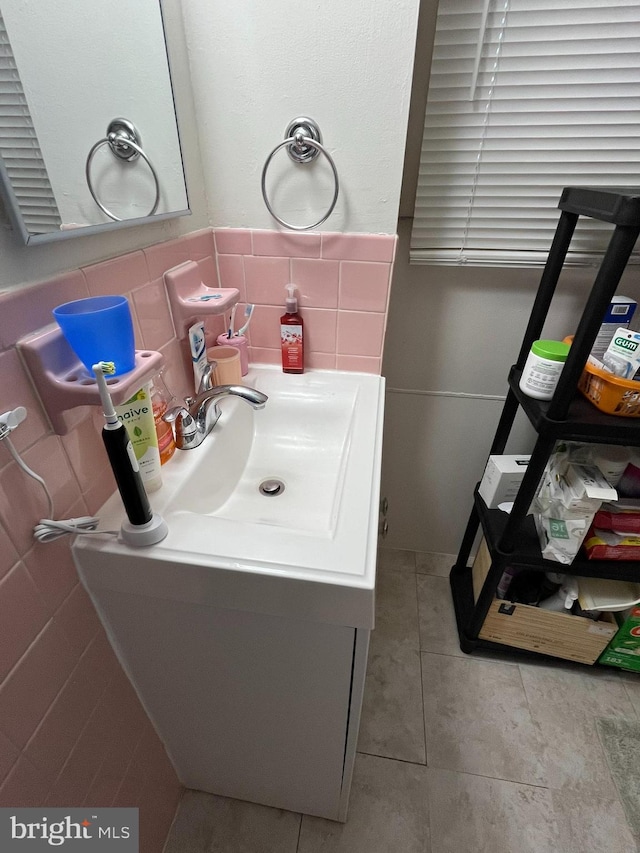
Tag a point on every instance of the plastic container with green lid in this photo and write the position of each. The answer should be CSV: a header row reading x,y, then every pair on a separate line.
x,y
543,368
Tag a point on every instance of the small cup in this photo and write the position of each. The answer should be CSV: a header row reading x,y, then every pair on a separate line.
x,y
99,329
240,343
227,370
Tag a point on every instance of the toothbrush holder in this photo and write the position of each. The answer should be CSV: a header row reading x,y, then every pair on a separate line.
x,y
240,343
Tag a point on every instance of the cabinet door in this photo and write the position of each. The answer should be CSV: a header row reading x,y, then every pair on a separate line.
x,y
248,705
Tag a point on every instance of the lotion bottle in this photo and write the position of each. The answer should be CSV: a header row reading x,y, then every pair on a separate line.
x,y
137,416
292,334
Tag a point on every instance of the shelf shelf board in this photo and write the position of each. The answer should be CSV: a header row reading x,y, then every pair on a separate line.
x,y
583,422
618,205
528,554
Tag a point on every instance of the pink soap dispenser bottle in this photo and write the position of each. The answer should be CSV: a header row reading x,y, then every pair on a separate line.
x,y
292,334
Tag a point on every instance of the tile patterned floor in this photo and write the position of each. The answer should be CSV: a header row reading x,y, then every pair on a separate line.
x,y
480,753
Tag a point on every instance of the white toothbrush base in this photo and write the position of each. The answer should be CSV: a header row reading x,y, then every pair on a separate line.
x,y
141,535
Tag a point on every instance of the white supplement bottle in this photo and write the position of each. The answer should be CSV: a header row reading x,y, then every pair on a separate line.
x,y
543,368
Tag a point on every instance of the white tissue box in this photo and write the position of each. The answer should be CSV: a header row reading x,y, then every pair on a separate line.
x,y
502,478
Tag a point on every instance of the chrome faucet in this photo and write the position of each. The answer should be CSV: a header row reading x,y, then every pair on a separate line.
x,y
191,425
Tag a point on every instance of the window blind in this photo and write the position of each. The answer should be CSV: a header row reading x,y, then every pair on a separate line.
x,y
20,149
525,97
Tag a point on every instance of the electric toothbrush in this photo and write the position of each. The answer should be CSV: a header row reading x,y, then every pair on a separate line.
x,y
120,452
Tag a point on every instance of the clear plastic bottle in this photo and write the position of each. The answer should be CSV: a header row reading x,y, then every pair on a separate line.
x,y
160,398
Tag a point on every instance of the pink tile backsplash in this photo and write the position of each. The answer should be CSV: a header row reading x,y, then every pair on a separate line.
x,y
16,389
359,247
55,737
118,275
199,245
25,310
22,616
87,457
364,286
232,241
72,730
25,786
231,270
154,316
321,360
9,754
78,619
161,257
51,568
278,244
319,330
32,685
8,553
347,272
317,280
265,279
265,327
358,364
208,272
360,333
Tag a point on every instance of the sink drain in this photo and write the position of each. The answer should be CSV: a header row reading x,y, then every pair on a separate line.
x,y
271,487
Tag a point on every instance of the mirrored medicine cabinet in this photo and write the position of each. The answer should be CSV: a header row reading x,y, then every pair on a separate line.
x,y
67,70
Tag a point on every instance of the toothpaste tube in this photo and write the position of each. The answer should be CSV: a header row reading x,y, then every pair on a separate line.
x,y
622,357
198,348
618,316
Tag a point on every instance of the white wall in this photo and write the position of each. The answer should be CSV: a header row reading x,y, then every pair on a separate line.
x,y
256,65
452,336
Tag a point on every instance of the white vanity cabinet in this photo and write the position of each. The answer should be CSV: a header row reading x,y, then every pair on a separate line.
x,y
245,632
249,705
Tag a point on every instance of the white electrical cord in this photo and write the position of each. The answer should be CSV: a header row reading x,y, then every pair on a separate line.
x,y
48,529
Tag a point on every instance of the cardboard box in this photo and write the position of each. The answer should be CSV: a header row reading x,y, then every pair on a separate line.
x,y
619,313
624,649
534,629
502,478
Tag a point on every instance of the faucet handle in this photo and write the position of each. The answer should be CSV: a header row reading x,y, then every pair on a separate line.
x,y
172,415
184,426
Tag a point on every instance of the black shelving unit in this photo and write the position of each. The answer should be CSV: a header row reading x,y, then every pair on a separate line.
x,y
512,539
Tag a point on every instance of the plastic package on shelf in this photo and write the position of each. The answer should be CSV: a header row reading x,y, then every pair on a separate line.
x,y
622,517
607,545
568,498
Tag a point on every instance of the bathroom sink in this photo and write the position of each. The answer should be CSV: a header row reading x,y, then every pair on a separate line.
x,y
281,466
315,449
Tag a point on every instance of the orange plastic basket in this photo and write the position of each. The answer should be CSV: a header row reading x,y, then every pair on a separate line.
x,y
609,393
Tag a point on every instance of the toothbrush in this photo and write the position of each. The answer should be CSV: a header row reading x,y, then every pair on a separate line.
x,y
233,314
120,452
248,313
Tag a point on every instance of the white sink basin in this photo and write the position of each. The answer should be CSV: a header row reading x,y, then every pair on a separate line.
x,y
320,434
299,443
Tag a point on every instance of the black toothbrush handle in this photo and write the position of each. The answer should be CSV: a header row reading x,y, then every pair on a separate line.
x,y
127,474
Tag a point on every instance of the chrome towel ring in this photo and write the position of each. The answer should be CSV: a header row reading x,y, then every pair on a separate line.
x,y
303,142
124,141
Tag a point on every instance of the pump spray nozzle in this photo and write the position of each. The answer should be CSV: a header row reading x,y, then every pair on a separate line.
x,y
291,302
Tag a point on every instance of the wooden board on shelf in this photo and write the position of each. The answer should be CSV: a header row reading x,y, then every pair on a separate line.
x,y
524,627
